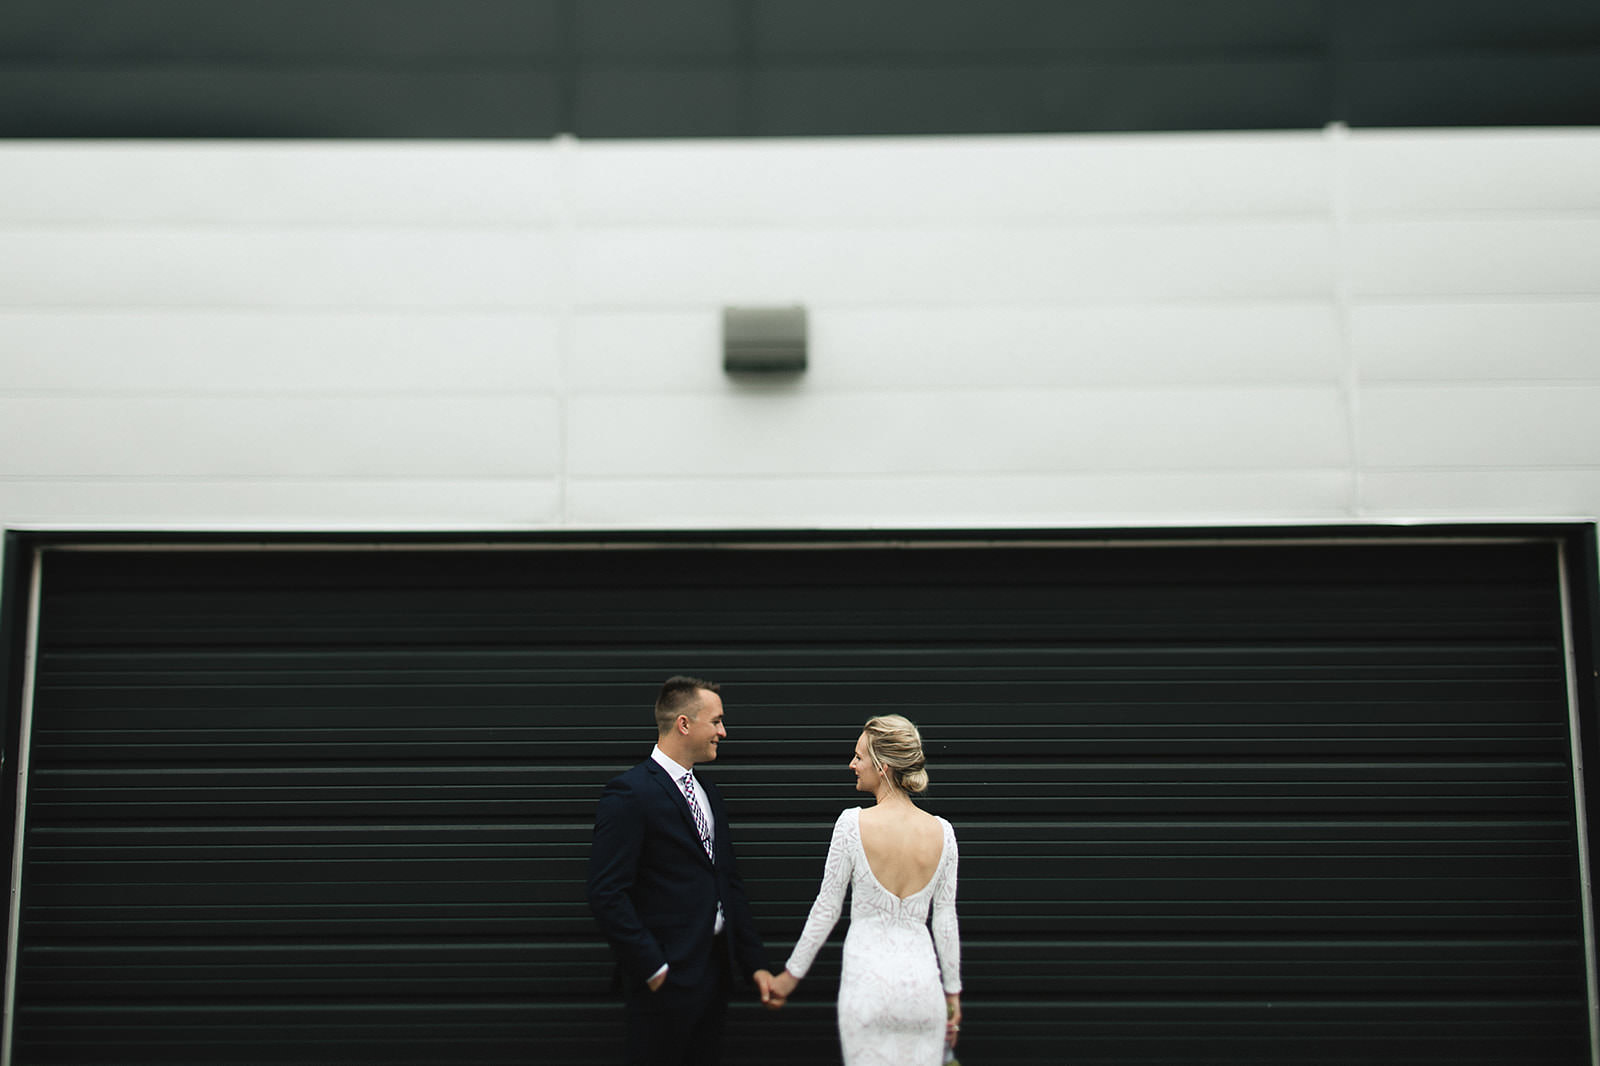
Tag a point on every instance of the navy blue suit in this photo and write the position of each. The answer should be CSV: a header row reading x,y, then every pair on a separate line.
x,y
654,893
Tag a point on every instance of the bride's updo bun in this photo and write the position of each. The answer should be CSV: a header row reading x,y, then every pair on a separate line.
x,y
896,749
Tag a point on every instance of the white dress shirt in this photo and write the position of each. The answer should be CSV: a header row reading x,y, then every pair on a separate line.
x,y
665,762
676,772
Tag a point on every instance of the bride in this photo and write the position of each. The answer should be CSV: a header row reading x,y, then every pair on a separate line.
x,y
900,990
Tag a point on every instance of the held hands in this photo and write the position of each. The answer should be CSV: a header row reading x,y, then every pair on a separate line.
x,y
952,1025
775,991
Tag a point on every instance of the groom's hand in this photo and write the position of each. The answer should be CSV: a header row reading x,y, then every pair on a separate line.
x,y
772,1000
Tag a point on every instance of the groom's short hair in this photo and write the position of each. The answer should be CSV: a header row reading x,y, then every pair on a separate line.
x,y
680,695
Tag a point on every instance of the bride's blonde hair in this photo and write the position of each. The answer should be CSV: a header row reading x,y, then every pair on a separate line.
x,y
895,747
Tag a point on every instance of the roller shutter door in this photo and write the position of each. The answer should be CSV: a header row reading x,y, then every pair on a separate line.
x,y
1255,803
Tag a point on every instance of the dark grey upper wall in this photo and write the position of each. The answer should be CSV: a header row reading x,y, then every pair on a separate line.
x,y
673,68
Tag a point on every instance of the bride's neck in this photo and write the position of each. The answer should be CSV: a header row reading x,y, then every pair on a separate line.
x,y
889,796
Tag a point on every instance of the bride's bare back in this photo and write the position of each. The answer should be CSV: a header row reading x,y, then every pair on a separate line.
x,y
902,845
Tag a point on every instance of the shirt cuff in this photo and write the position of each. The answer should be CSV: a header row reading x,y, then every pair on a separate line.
x,y
658,973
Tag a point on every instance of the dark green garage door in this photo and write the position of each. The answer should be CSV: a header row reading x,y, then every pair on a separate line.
x,y
1258,803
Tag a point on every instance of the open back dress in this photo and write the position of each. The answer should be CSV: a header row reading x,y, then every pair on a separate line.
x,y
895,975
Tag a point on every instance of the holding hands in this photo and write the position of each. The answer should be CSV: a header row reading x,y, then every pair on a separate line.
x,y
775,991
785,983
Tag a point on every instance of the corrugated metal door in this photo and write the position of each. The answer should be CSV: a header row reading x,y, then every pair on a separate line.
x,y
1251,804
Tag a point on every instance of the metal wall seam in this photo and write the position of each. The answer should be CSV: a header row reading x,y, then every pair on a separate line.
x,y
1580,816
24,745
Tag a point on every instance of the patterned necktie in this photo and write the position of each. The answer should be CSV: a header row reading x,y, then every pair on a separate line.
x,y
699,815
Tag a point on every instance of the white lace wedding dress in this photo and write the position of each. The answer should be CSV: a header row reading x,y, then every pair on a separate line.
x,y
891,991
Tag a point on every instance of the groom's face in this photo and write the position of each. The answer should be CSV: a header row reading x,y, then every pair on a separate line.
x,y
705,728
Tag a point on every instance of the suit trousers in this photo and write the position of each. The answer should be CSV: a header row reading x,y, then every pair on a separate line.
x,y
681,1025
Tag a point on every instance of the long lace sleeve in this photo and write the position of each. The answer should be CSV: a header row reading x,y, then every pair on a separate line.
x,y
946,930
830,898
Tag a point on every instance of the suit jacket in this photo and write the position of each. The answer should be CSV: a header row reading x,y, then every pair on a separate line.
x,y
653,890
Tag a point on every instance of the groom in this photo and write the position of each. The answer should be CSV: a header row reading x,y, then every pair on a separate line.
x,y
666,891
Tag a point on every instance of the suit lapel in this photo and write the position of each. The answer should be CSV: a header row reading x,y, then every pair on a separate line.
x,y
677,799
